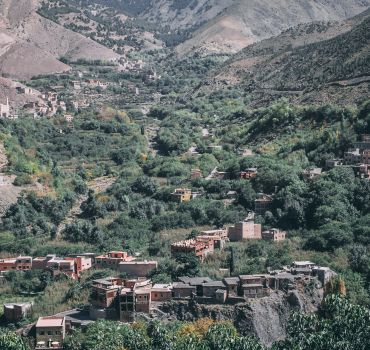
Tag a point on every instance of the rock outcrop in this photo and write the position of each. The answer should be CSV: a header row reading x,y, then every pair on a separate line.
x,y
266,317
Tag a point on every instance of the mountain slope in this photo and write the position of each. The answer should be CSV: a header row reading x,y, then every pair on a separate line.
x,y
319,62
249,21
32,45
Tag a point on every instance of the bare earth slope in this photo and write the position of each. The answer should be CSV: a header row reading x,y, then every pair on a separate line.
x,y
248,21
312,63
32,45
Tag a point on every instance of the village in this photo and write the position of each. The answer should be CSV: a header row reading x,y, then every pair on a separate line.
x,y
130,299
134,296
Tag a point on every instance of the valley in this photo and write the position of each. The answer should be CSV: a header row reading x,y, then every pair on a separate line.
x,y
184,175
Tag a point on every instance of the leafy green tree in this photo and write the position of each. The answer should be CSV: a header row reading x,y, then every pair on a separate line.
x,y
11,341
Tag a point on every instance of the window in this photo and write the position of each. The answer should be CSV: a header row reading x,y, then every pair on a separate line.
x,y
50,332
42,333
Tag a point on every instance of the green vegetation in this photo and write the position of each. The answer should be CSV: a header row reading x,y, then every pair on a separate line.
x,y
340,325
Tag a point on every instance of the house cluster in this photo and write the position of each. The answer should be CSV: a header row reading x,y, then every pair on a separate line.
x,y
69,266
204,244
125,264
47,107
209,241
358,158
133,65
123,299
73,265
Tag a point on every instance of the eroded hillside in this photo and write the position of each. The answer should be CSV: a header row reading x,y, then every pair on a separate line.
x,y
32,45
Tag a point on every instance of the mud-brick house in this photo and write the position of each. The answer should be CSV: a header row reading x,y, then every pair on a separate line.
x,y
112,259
161,292
210,288
182,290
243,230
14,312
232,285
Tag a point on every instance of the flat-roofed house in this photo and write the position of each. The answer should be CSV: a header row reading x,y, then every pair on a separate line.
x,y
112,259
137,268
254,290
142,300
104,291
181,195
24,263
161,292
232,284
14,312
311,173
243,230
183,290
8,264
303,264
210,288
273,234
50,333
127,305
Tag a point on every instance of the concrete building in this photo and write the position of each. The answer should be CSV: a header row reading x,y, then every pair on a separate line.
x,y
181,195
137,268
273,234
24,90
303,264
112,259
311,173
142,300
50,333
104,291
15,312
253,290
5,109
232,284
243,230
210,288
161,292
21,263
352,156
183,290
262,203
333,163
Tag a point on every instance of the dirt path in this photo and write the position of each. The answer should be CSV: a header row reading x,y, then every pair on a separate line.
x,y
72,214
98,185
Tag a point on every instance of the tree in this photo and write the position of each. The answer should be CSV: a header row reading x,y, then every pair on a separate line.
x,y
188,265
11,341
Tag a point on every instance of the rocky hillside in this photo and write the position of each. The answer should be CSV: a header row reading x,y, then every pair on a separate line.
x,y
317,62
32,45
266,318
231,25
